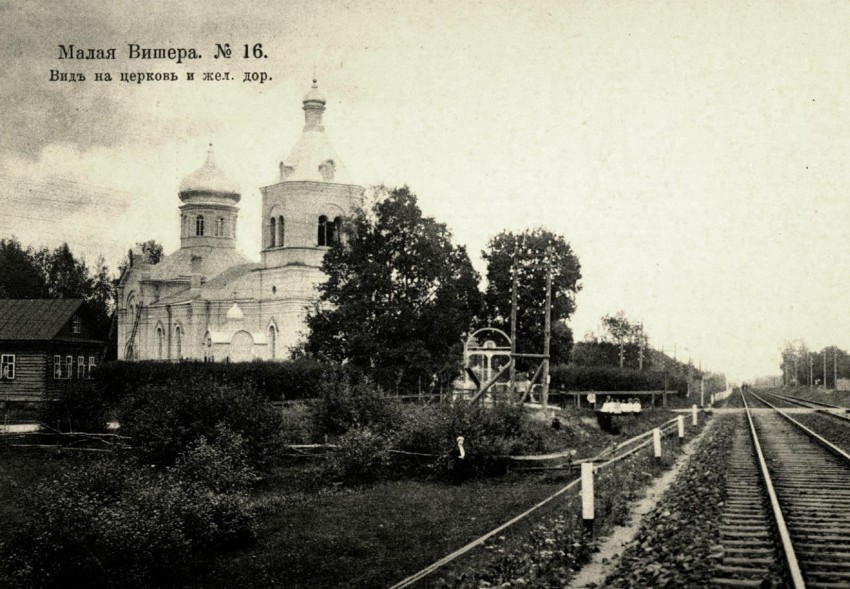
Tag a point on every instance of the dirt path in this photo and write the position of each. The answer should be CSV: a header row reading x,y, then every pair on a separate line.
x,y
594,572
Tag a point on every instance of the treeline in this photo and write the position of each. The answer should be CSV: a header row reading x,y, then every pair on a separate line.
x,y
801,366
56,274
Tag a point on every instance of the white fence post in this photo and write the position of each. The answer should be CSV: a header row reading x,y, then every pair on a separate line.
x,y
656,442
587,510
681,421
694,414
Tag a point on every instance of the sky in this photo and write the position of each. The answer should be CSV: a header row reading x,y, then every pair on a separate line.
x,y
693,153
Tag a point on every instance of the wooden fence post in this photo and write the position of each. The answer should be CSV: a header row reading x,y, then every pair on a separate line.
x,y
656,442
694,414
681,421
587,509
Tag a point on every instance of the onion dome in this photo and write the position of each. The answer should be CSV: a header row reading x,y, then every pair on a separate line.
x,y
235,313
314,95
209,179
313,158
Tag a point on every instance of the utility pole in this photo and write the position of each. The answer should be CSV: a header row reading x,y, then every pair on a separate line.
x,y
811,366
547,327
824,368
640,348
835,368
514,287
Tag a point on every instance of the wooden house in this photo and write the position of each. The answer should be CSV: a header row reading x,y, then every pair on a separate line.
x,y
44,344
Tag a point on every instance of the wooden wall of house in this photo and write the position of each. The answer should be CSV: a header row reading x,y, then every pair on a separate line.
x,y
30,368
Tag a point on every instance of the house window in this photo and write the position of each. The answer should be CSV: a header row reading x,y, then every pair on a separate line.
x,y
77,325
91,365
69,366
57,366
81,366
272,231
7,366
199,225
334,230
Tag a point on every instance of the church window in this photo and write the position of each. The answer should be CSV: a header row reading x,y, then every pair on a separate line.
x,y
199,225
280,232
335,230
178,342
159,343
323,230
219,227
327,170
272,232
272,342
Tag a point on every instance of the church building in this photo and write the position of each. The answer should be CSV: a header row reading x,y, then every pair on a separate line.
x,y
207,301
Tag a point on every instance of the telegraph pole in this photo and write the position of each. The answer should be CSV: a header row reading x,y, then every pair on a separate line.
x,y
824,368
835,368
811,366
514,286
547,327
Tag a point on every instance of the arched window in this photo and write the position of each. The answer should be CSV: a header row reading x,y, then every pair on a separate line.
x,y
159,343
272,342
272,232
280,231
323,230
178,342
199,225
335,230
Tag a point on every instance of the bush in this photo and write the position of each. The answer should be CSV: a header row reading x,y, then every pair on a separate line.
x,y
81,406
289,380
346,405
297,424
572,377
163,421
114,523
490,434
220,465
362,456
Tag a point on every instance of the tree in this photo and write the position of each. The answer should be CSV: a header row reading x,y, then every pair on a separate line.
x,y
532,249
152,253
398,296
20,276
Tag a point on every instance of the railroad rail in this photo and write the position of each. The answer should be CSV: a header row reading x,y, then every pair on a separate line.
x,y
787,517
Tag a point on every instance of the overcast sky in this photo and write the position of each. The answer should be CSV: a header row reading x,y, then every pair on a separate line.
x,y
693,153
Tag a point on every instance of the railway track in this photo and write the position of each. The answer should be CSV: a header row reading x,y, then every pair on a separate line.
x,y
786,521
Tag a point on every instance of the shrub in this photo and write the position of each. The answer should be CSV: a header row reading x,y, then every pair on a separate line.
x,y
297,423
490,434
220,465
81,406
573,377
345,405
114,523
163,421
302,378
362,456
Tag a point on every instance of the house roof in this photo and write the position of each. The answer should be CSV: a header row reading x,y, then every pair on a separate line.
x,y
35,319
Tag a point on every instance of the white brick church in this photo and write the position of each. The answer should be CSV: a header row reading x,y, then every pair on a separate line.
x,y
207,301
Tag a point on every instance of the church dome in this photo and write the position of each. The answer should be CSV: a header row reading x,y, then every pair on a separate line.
x,y
313,158
209,179
235,313
314,95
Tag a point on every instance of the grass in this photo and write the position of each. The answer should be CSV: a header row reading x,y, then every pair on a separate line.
x,y
319,536
371,536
